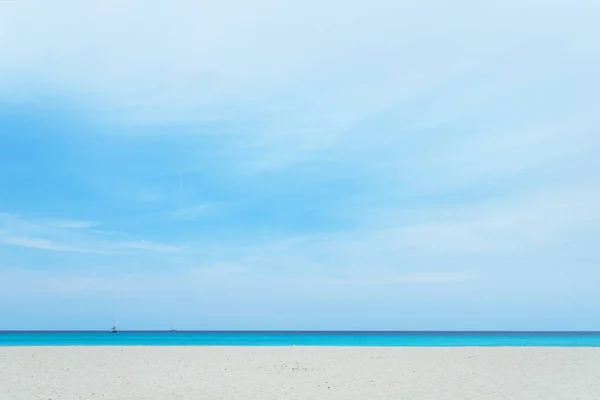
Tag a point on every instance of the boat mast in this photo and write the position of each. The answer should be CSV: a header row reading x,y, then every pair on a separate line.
x,y
114,314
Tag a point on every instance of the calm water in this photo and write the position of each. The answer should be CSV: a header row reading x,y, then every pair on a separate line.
x,y
559,339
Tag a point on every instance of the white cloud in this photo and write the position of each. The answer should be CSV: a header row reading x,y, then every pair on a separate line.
x,y
468,238
198,282
70,236
145,245
45,244
484,156
190,213
327,67
72,224
535,220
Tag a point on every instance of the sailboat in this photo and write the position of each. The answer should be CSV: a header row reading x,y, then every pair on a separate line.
x,y
172,329
114,328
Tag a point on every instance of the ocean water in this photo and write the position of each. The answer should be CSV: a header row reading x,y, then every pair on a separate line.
x,y
418,339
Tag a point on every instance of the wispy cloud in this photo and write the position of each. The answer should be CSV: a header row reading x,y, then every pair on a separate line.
x,y
191,213
45,244
149,246
209,78
68,236
72,224
106,233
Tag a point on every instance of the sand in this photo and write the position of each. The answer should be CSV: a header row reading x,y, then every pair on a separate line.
x,y
169,373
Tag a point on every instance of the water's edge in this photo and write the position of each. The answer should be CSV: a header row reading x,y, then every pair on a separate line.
x,y
291,338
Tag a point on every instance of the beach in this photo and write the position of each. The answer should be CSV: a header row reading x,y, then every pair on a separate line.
x,y
418,373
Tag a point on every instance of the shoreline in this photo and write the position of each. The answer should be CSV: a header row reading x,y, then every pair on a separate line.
x,y
318,339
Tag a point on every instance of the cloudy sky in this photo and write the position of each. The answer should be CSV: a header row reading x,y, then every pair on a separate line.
x,y
303,164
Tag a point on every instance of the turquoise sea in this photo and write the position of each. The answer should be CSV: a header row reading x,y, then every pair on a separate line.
x,y
288,338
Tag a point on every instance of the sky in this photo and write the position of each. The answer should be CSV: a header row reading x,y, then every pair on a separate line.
x,y
300,165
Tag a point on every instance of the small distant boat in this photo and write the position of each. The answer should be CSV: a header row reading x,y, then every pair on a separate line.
x,y
114,328
172,329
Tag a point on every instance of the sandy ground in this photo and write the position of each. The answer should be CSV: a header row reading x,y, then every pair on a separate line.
x,y
168,373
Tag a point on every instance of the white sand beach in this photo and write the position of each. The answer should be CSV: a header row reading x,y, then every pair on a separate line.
x,y
169,373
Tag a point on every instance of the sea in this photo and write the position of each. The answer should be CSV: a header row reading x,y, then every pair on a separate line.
x,y
289,338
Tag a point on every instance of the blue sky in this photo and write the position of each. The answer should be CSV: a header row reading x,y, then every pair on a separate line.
x,y
300,165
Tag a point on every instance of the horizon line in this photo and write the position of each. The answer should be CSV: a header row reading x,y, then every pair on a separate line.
x,y
3,331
